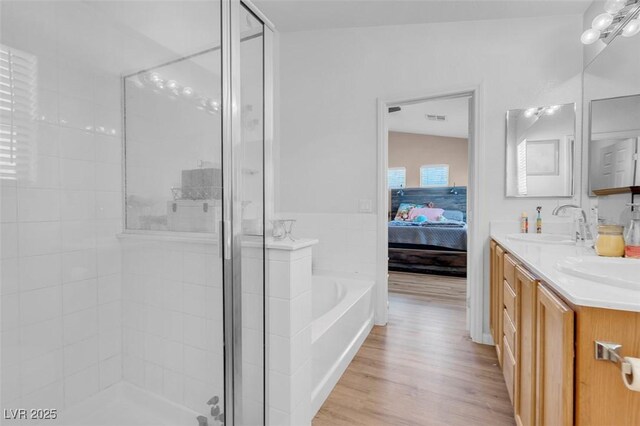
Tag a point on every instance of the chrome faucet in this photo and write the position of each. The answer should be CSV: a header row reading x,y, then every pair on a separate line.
x,y
583,231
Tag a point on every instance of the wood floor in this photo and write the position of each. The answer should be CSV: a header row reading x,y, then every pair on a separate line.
x,y
422,368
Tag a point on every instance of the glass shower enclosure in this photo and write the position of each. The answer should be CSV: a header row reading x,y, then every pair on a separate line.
x,y
132,179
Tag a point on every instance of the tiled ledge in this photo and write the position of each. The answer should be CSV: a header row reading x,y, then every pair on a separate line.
x,y
290,245
179,237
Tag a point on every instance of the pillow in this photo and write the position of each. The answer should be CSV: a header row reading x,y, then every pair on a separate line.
x,y
454,215
403,211
431,214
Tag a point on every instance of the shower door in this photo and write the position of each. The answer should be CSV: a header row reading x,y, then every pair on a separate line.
x,y
132,219
194,129
194,157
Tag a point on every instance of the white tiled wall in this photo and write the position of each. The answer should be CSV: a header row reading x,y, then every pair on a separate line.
x,y
290,311
347,241
60,288
173,329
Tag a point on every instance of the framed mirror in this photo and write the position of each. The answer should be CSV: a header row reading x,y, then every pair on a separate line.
x,y
539,151
612,97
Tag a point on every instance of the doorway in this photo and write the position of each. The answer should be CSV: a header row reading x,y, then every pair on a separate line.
x,y
426,198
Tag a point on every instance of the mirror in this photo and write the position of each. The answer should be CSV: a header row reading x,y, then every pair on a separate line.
x,y
540,143
612,96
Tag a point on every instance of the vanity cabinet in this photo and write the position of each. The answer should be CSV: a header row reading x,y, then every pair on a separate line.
x,y
535,335
547,348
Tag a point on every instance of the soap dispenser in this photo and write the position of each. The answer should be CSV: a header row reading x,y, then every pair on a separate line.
x,y
632,238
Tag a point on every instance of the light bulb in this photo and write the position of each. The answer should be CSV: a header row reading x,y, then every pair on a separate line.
x,y
187,91
632,28
155,77
590,36
614,6
602,21
529,113
172,84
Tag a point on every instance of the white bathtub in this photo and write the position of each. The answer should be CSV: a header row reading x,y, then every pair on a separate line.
x,y
342,319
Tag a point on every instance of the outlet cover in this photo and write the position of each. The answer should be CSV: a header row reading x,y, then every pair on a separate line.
x,y
365,206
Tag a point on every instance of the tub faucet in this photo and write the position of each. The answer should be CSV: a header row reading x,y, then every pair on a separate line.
x,y
583,231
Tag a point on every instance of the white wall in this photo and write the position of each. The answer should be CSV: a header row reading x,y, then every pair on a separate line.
x,y
330,81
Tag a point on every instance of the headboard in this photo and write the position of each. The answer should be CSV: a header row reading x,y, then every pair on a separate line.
x,y
447,198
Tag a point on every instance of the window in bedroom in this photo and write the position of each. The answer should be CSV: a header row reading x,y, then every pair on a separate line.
x,y
397,177
434,175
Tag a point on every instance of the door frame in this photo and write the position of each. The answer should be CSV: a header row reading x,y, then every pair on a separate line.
x,y
475,266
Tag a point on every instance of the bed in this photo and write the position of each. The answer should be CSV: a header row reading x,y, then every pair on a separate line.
x,y
431,247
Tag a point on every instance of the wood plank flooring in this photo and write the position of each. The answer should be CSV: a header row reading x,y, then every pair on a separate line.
x,y
422,368
434,288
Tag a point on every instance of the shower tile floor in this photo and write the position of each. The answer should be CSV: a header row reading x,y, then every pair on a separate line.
x,y
126,405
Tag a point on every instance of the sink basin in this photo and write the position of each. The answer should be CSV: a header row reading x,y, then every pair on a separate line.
x,y
543,238
613,271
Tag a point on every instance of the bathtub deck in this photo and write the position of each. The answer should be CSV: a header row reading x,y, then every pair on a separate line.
x,y
422,369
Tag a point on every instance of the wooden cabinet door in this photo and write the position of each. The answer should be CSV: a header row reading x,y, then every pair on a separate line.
x,y
525,402
601,397
554,360
497,301
492,290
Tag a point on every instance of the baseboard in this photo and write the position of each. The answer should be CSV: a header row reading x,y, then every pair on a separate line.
x,y
487,339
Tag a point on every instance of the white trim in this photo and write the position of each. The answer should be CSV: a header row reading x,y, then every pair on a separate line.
x,y
487,339
620,134
381,304
475,254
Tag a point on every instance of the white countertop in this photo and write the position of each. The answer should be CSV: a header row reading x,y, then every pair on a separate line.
x,y
541,260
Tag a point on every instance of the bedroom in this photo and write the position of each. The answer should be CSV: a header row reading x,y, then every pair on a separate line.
x,y
427,169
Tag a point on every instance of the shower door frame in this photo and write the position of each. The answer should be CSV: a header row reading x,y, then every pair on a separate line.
x,y
230,238
231,201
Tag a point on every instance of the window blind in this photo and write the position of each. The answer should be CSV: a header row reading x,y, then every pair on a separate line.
x,y
397,177
18,105
521,166
434,175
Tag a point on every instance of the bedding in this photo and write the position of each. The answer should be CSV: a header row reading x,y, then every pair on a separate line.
x,y
451,234
431,214
404,210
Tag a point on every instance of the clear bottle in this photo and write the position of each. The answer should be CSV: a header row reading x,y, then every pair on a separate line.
x,y
632,238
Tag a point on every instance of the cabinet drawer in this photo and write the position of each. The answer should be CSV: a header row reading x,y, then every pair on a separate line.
x,y
509,270
509,332
510,302
508,368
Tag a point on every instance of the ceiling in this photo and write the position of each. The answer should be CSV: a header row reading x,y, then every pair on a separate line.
x,y
411,119
302,15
